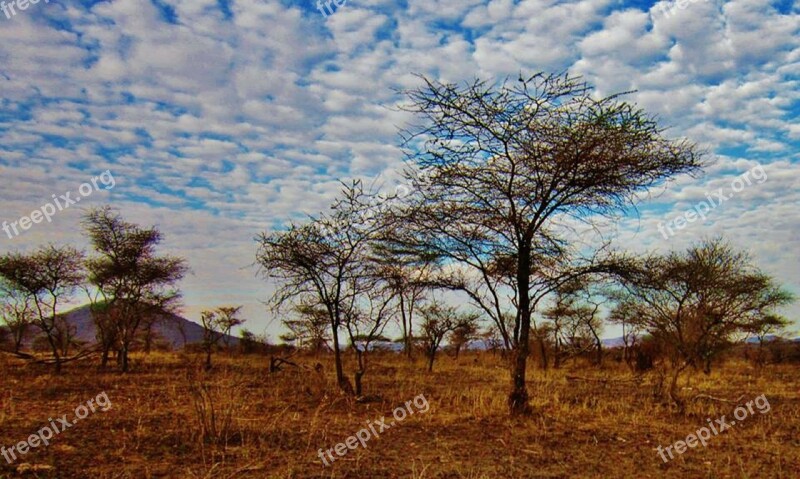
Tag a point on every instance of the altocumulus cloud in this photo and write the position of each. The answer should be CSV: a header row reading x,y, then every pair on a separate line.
x,y
222,118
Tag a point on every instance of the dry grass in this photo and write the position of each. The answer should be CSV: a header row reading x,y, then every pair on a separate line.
x,y
171,419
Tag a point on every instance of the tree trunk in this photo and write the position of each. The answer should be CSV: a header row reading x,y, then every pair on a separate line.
x,y
518,399
124,357
360,372
104,360
673,393
543,361
342,381
17,343
54,349
599,344
406,328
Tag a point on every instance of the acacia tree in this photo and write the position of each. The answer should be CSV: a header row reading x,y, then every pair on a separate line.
x,y
310,330
48,276
325,261
438,321
129,279
365,320
768,325
406,280
695,302
623,314
509,169
217,325
462,334
576,322
17,312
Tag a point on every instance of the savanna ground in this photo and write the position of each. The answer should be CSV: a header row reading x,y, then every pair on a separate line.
x,y
603,424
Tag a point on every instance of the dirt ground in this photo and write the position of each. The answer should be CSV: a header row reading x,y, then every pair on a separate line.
x,y
170,419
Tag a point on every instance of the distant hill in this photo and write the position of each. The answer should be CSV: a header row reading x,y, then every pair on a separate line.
x,y
173,329
767,339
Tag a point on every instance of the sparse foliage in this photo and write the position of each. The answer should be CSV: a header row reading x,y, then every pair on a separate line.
x,y
310,331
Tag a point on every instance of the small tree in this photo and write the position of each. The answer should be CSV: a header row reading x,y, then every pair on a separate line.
x,y
462,335
326,262
17,312
492,339
247,342
439,320
217,325
48,276
310,330
623,313
365,323
130,281
576,323
694,303
65,334
762,328
407,281
105,325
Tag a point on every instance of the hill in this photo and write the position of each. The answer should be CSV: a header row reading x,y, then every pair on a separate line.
x,y
172,329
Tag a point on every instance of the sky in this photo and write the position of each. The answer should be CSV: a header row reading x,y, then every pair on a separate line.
x,y
221,119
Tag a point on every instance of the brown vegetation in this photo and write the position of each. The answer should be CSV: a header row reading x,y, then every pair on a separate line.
x,y
170,418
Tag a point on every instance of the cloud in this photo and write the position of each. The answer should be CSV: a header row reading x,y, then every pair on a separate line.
x,y
220,122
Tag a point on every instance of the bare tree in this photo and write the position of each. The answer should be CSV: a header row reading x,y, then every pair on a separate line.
x,y
509,170
128,277
762,328
365,321
17,312
439,320
310,330
576,322
695,302
49,276
463,334
326,259
407,280
217,326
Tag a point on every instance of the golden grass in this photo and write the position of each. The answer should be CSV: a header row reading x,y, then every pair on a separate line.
x,y
172,419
